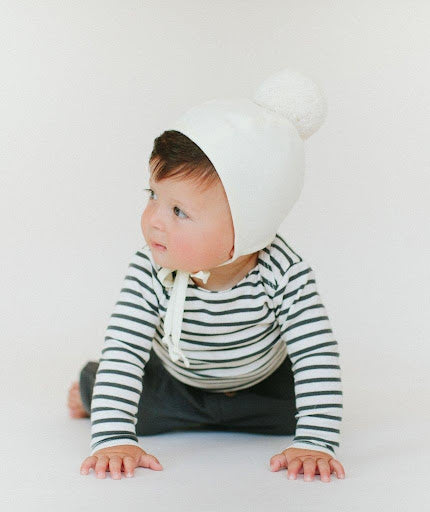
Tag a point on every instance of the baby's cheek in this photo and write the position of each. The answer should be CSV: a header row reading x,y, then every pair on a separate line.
x,y
191,252
184,247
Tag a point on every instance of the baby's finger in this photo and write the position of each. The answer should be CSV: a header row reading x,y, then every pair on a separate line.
x,y
293,468
149,461
309,465
115,464
129,466
278,461
88,463
324,470
101,465
337,468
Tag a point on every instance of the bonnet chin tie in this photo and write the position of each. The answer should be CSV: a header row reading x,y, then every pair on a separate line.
x,y
175,308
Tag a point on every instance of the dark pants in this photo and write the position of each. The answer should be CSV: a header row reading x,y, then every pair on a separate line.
x,y
167,404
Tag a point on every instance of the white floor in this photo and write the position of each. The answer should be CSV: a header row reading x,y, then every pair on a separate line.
x,y
384,451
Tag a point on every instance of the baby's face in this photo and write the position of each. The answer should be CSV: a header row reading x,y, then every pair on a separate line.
x,y
194,225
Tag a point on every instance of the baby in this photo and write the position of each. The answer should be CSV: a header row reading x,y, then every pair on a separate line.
x,y
219,324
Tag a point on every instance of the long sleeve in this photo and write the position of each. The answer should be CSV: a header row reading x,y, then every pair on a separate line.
x,y
126,350
314,355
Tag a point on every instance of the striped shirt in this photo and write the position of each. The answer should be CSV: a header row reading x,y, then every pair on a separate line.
x,y
232,338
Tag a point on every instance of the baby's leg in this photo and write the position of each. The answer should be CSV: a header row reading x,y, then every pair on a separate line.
x,y
167,404
266,408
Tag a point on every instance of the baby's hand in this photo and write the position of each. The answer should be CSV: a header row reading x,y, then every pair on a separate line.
x,y
294,458
116,458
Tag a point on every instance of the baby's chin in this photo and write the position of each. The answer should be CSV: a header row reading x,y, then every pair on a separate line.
x,y
163,258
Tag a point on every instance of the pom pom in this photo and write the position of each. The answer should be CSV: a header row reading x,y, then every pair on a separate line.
x,y
296,97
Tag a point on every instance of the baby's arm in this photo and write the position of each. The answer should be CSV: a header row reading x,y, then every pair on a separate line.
x,y
313,351
126,350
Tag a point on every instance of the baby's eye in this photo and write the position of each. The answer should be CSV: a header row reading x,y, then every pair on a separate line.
x,y
179,210
150,192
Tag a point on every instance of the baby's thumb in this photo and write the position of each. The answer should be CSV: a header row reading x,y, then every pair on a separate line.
x,y
149,461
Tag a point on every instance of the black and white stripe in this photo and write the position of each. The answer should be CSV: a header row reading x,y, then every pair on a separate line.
x,y
232,338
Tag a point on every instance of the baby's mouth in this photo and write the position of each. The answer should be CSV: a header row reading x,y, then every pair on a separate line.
x,y
159,247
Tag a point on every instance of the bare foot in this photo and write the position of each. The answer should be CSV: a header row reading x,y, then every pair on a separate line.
x,y
74,402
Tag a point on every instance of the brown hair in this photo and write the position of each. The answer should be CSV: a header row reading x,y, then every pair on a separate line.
x,y
176,156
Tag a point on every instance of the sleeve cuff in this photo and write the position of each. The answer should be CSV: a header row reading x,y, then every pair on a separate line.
x,y
310,446
115,442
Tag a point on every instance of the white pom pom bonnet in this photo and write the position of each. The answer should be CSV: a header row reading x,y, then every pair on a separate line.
x,y
256,147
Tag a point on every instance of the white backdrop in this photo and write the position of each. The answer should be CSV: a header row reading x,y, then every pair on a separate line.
x,y
87,86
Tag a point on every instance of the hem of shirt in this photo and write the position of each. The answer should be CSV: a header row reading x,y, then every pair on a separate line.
x,y
227,389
